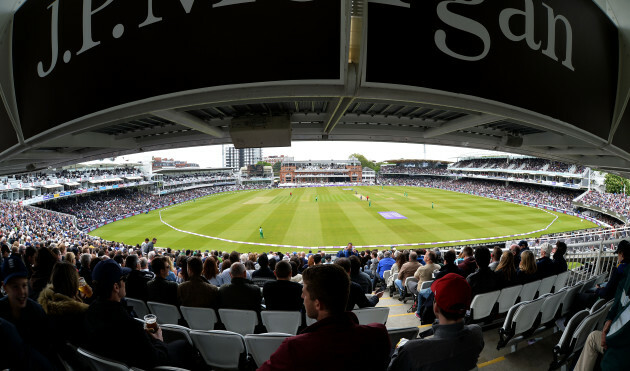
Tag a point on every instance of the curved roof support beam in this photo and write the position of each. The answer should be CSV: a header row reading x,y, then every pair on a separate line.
x,y
190,121
461,123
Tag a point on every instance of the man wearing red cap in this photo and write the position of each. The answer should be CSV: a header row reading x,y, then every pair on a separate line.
x,y
454,345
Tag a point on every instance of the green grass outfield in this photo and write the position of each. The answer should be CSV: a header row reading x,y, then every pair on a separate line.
x,y
337,218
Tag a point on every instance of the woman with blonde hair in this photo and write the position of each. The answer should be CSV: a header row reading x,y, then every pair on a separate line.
x,y
505,271
70,258
527,268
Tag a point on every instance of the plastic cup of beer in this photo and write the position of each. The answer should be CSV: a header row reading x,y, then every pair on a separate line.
x,y
84,288
150,323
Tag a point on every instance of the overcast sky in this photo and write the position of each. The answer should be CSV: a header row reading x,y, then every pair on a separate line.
x,y
210,156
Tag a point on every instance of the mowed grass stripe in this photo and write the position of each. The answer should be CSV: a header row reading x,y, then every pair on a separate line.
x,y
337,218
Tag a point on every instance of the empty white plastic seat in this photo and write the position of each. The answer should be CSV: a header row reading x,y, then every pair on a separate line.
x,y
281,321
550,307
220,349
139,307
519,320
262,346
372,315
507,297
482,304
546,284
598,304
563,349
561,281
588,284
199,318
569,298
101,363
529,290
240,321
166,313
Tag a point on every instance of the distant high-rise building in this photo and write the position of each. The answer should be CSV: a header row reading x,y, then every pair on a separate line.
x,y
239,158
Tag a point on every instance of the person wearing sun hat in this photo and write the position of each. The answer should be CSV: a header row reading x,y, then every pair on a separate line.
x,y
454,346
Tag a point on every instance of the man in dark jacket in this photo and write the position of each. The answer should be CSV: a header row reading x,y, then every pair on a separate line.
x,y
325,293
263,271
357,296
544,265
282,294
559,263
359,277
108,322
454,346
240,293
483,279
159,289
137,280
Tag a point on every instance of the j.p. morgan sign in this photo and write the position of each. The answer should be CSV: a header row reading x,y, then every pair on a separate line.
x,y
72,58
555,57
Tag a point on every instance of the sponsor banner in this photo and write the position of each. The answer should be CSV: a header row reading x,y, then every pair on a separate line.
x,y
56,195
89,49
502,51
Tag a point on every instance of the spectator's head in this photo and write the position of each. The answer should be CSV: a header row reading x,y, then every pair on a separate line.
x,y
452,298
325,291
482,257
467,251
65,279
355,265
528,262
160,266
263,261
317,259
237,270
413,256
15,282
450,256
623,250
195,267
154,240
109,281
283,270
429,257
345,264
514,248
144,263
235,257
294,268
560,250
29,255
210,268
119,259
387,254
132,262
545,250
506,264
70,258
496,253
523,245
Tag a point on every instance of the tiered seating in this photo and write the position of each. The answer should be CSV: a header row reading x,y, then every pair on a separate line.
x,y
519,321
574,337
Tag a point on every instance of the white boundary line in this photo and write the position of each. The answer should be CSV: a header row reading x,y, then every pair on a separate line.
x,y
362,246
